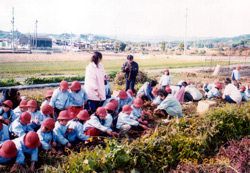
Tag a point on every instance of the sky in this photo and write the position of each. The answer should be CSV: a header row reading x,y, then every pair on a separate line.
x,y
128,19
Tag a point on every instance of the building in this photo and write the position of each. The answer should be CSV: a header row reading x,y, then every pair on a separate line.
x,y
40,42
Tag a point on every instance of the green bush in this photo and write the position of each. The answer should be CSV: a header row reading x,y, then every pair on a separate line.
x,y
112,74
9,82
35,80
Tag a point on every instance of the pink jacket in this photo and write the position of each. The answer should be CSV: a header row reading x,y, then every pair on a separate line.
x,y
180,95
94,79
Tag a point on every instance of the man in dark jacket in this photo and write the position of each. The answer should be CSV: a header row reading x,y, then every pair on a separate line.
x,y
131,69
11,94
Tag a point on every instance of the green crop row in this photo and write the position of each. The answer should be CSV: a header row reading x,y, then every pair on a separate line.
x,y
190,137
9,82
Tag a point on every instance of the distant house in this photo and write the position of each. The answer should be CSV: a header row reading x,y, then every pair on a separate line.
x,y
42,42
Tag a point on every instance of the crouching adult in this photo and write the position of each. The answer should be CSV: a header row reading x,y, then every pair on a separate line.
x,y
96,125
125,122
27,144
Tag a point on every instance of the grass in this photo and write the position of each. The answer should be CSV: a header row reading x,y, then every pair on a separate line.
x,y
20,69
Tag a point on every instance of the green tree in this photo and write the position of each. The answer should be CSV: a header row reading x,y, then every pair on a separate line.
x,y
122,46
181,46
163,46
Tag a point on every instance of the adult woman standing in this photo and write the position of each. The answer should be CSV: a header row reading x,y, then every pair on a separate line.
x,y
94,82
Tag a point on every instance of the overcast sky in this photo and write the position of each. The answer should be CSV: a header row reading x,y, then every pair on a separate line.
x,y
154,18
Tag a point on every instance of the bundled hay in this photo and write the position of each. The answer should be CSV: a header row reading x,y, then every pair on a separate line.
x,y
120,78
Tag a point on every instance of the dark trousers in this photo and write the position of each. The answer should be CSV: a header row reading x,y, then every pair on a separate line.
x,y
130,84
92,105
229,99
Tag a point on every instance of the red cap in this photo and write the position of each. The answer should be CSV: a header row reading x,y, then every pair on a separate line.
x,y
123,94
32,103
26,117
115,102
110,106
83,115
127,109
64,85
166,70
138,103
130,92
218,85
64,115
238,67
101,111
47,109
49,93
8,149
8,103
23,104
189,82
107,77
168,89
75,86
155,91
49,123
243,88
31,140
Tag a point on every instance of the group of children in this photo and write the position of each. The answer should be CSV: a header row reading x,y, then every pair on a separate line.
x,y
65,118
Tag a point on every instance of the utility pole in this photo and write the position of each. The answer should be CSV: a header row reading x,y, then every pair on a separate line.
x,y
36,32
185,39
12,21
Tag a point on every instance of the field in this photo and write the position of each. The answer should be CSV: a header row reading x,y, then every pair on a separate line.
x,y
215,142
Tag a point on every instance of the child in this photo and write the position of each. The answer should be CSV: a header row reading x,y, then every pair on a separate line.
x,y
110,107
47,98
243,94
145,91
77,124
248,91
60,99
46,136
125,122
95,126
20,126
107,86
123,99
4,132
231,93
61,130
157,99
129,91
27,144
47,111
7,151
7,115
236,75
165,79
168,90
78,97
214,92
136,113
36,116
21,108
169,104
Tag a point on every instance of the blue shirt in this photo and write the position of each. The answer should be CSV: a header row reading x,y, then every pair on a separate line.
x,y
17,112
18,128
45,137
108,100
214,92
122,102
4,134
78,132
60,133
145,89
247,92
165,80
107,88
171,105
11,117
60,99
244,96
44,103
136,113
95,122
125,119
78,99
3,160
21,149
